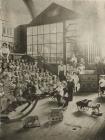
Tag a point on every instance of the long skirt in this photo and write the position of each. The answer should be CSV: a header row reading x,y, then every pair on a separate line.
x,y
70,98
62,76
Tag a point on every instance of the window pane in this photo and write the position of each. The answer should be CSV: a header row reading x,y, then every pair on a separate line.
x,y
35,30
35,39
29,49
53,28
53,58
40,29
47,57
53,38
59,27
47,48
29,39
40,49
68,49
53,48
46,38
40,39
29,31
46,29
59,57
59,37
53,55
35,49
59,48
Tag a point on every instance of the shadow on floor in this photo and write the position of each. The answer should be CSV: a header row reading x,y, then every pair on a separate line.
x,y
47,124
83,114
79,113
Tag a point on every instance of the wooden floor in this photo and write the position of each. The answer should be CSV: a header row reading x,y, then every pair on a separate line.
x,y
76,125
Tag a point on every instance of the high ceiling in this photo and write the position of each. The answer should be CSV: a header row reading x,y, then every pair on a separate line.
x,y
92,13
17,12
16,9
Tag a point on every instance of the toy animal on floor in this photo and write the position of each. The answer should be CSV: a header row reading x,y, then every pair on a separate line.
x,y
85,104
95,109
31,121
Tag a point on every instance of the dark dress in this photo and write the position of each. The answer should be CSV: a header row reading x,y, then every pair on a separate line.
x,y
68,91
70,87
62,76
66,97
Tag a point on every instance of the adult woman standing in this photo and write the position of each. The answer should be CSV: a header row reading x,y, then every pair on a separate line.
x,y
61,71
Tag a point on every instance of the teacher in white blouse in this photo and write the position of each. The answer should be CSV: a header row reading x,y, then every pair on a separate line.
x,y
62,71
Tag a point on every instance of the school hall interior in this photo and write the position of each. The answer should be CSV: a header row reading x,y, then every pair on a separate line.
x,y
52,70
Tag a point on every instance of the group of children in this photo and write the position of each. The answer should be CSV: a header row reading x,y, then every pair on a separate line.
x,y
22,81
76,64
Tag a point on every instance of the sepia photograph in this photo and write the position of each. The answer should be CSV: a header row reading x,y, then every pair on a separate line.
x,y
52,69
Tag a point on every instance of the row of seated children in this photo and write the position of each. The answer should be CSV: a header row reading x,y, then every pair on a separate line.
x,y
16,82
22,81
